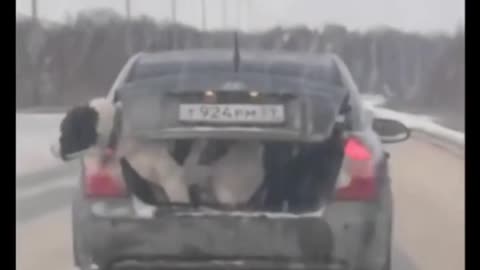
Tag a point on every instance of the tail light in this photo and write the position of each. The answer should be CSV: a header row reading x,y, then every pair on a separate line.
x,y
357,177
100,180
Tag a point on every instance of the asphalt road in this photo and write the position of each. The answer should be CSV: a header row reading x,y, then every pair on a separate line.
x,y
428,184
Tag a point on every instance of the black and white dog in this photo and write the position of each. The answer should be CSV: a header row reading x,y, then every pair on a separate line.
x,y
232,171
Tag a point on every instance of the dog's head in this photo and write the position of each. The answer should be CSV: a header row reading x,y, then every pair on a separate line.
x,y
84,125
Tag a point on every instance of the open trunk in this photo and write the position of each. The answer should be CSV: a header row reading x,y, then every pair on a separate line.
x,y
282,222
294,118
296,178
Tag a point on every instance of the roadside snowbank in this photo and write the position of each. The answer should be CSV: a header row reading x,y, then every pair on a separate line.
x,y
34,134
420,123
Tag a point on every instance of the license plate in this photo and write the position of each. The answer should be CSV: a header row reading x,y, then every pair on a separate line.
x,y
232,113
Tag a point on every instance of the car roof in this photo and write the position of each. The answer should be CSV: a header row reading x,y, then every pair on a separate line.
x,y
317,67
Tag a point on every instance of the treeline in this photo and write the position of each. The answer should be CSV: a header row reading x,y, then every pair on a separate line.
x,y
72,62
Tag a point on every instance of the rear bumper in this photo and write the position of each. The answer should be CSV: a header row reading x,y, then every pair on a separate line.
x,y
211,243
222,265
138,244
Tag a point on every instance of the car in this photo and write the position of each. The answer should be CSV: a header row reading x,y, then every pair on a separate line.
x,y
341,220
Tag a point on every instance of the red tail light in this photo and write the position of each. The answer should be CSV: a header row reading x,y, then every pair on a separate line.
x,y
100,181
357,173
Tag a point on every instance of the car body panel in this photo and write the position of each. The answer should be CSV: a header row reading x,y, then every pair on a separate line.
x,y
310,113
340,233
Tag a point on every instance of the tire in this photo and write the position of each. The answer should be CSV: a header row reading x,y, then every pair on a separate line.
x,y
388,263
386,205
389,205
79,258
76,247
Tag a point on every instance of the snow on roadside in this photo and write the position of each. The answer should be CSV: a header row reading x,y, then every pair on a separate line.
x,y
34,134
416,122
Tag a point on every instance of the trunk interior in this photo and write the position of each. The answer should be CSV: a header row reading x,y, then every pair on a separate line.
x,y
297,178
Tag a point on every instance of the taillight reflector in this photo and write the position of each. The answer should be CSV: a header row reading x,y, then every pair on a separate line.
x,y
358,168
101,183
355,150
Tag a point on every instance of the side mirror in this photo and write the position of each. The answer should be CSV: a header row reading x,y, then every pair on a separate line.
x,y
391,131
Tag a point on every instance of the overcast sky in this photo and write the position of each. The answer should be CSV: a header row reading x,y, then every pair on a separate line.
x,y
411,15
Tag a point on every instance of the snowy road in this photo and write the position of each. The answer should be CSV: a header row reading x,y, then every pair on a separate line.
x,y
428,185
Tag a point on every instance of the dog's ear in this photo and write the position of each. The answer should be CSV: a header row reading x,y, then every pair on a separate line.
x,y
83,126
78,130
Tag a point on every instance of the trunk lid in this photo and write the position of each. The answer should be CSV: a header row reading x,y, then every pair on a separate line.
x,y
304,110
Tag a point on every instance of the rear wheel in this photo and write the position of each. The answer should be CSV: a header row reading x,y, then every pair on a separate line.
x,y
388,265
379,252
387,214
389,207
80,259
75,238
388,262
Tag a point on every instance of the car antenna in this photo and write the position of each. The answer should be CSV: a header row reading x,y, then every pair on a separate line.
x,y
236,52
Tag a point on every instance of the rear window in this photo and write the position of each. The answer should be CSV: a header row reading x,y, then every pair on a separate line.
x,y
185,64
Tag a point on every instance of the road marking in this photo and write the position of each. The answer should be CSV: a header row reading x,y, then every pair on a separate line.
x,y
26,193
